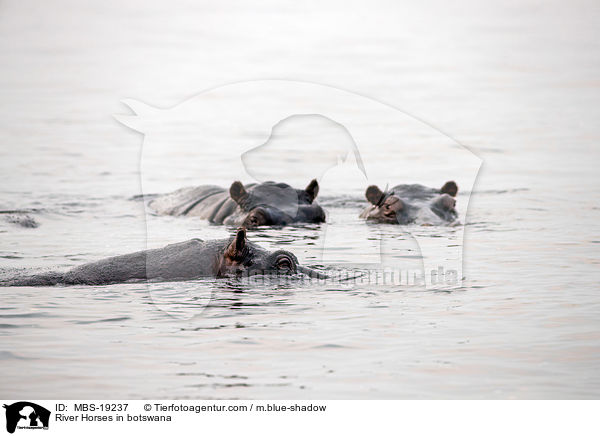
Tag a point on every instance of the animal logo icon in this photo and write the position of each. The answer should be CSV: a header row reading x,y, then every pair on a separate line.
x,y
26,415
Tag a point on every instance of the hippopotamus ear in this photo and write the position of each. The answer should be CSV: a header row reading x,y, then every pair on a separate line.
x,y
237,192
236,248
312,189
449,188
373,194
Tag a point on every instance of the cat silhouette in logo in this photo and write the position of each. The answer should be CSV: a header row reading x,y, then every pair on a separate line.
x,y
30,412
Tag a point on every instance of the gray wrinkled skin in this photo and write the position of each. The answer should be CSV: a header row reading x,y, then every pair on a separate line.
x,y
182,261
406,204
252,205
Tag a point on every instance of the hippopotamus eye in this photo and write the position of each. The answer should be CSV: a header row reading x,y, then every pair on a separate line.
x,y
284,262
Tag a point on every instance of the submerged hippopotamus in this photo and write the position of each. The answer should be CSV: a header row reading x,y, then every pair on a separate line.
x,y
188,260
253,205
20,218
405,204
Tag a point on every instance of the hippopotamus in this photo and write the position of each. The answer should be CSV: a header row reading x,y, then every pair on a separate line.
x,y
405,204
188,260
20,218
251,205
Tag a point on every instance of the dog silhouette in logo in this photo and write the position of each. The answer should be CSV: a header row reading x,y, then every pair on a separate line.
x,y
31,413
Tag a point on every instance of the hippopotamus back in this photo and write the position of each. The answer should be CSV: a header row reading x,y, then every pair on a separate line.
x,y
189,200
415,192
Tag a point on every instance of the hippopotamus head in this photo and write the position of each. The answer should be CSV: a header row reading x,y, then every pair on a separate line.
x,y
244,258
273,203
388,207
450,188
